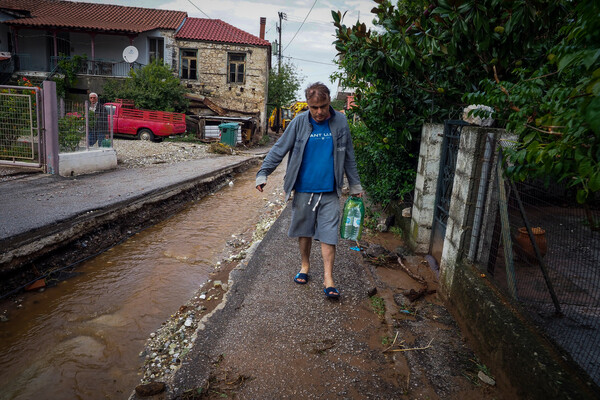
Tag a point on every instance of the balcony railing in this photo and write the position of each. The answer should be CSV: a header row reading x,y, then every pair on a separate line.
x,y
99,67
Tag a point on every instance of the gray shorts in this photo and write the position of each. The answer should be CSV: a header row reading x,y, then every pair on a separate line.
x,y
321,223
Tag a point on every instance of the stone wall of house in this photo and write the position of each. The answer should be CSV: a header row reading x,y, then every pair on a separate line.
x,y
240,98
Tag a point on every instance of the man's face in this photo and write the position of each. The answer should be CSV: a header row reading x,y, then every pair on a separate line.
x,y
319,108
93,99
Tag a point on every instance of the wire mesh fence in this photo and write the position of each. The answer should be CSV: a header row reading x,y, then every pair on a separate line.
x,y
551,265
19,133
82,127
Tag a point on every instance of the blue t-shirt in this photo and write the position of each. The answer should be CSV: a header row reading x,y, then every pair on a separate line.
x,y
316,171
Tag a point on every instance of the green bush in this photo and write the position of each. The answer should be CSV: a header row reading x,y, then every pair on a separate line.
x,y
386,168
154,87
71,130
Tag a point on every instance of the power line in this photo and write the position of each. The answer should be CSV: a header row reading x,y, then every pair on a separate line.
x,y
315,22
309,11
199,9
311,61
273,25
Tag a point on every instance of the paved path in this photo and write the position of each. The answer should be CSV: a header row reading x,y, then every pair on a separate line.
x,y
41,200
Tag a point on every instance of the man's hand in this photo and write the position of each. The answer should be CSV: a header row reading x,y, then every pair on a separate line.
x,y
260,187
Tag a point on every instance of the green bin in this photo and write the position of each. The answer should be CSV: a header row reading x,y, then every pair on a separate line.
x,y
229,133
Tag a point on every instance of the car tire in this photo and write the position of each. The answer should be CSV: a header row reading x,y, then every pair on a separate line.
x,y
146,134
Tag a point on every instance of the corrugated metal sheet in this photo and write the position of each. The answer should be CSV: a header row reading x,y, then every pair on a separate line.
x,y
213,132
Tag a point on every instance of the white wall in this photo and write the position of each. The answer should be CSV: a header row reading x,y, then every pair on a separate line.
x,y
85,162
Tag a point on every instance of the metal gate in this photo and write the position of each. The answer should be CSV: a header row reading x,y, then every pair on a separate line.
x,y
21,141
450,144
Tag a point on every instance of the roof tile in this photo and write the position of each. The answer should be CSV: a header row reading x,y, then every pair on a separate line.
x,y
215,30
91,16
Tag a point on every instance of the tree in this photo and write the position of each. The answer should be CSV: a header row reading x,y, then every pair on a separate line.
x,y
154,87
554,107
283,85
422,59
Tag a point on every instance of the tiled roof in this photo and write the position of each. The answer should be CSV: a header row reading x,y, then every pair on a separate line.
x,y
215,30
90,16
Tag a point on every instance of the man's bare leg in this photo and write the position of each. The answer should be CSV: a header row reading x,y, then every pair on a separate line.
x,y
305,244
328,253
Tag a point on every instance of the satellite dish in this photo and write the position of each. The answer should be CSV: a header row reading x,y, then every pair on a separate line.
x,y
130,54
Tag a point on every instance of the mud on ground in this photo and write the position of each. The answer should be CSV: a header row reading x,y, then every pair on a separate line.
x,y
419,336
411,340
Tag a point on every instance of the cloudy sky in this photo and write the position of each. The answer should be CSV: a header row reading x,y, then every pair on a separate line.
x,y
308,46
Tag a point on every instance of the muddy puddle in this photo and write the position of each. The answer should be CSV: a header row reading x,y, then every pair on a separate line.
x,y
82,338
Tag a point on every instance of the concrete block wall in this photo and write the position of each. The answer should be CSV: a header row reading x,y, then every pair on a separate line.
x,y
462,202
464,193
522,359
425,187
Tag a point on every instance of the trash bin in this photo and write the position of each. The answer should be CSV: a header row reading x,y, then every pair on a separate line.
x,y
229,133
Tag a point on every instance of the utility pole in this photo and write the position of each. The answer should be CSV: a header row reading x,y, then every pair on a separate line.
x,y
282,16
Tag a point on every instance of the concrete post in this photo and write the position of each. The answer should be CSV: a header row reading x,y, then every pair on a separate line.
x,y
425,187
50,131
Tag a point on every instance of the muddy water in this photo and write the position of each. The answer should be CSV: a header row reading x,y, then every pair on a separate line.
x,y
82,338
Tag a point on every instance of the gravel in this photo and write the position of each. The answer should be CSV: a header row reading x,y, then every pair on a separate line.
x,y
132,154
139,153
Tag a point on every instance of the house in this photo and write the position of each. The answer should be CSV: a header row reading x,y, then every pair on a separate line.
x,y
225,68
38,32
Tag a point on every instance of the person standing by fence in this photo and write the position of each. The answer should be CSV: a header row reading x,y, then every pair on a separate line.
x,y
97,121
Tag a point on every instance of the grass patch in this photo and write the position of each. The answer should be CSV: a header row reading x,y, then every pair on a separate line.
x,y
378,306
396,231
371,219
185,138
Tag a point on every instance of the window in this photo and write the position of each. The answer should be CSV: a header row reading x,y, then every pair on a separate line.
x,y
237,67
189,60
156,49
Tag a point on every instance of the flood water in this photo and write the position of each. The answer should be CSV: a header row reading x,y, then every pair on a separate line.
x,y
81,339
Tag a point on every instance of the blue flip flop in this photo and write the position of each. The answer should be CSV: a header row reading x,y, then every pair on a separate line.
x,y
332,292
301,275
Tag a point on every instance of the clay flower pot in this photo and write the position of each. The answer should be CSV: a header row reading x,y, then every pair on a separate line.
x,y
524,247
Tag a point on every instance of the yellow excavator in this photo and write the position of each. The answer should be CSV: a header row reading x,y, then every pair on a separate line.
x,y
280,121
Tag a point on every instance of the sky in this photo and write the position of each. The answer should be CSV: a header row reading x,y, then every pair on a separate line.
x,y
307,45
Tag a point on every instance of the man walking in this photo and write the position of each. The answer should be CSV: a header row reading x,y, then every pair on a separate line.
x,y
320,152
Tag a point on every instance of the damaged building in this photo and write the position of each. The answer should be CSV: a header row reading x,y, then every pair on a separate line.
x,y
227,71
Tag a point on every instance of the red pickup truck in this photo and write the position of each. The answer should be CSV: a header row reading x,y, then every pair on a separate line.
x,y
144,124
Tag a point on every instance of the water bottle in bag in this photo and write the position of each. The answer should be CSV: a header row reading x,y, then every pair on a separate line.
x,y
352,219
